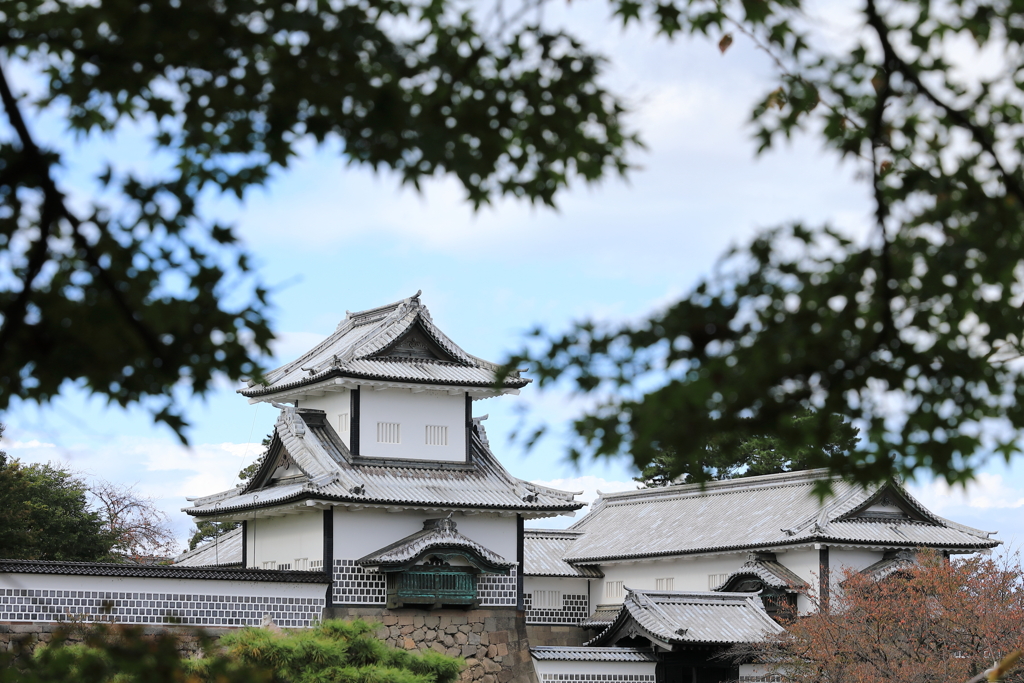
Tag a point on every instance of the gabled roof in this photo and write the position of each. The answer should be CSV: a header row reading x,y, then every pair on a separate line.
x,y
771,572
224,551
329,473
888,566
543,550
673,620
603,616
438,537
755,513
394,343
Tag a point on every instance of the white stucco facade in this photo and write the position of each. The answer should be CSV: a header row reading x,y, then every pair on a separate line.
x,y
549,671
338,406
296,540
412,423
360,533
431,425
687,573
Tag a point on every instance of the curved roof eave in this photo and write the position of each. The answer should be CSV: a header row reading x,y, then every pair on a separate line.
x,y
261,390
990,543
310,495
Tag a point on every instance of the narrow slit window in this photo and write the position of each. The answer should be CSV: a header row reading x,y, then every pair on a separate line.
x,y
389,432
547,599
437,435
716,580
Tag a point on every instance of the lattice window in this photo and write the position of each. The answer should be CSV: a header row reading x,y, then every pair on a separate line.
x,y
437,435
496,590
301,564
613,589
665,584
389,432
316,565
597,678
343,425
716,580
353,585
547,599
572,609
20,604
270,564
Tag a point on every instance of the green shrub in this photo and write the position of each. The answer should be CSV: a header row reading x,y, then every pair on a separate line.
x,y
332,652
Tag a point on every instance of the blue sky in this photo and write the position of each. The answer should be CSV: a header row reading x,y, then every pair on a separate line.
x,y
332,237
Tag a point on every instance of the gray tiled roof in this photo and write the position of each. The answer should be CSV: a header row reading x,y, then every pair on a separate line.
x,y
543,550
159,571
671,619
773,574
224,551
602,616
888,566
359,348
756,512
331,474
437,534
593,654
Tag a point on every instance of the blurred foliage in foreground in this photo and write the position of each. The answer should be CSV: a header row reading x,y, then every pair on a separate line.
x,y
913,332
333,652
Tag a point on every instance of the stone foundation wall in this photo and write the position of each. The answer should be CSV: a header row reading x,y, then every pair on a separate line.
x,y
36,633
494,642
561,636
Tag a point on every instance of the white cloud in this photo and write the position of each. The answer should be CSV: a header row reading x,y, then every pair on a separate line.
x,y
290,345
986,492
591,487
34,443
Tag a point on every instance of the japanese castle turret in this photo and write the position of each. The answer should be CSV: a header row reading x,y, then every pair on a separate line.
x,y
378,472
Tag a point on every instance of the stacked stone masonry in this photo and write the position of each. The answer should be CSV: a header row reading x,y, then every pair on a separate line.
x,y
492,641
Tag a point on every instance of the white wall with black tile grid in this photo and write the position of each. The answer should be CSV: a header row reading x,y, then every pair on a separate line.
x,y
57,598
574,609
594,672
353,585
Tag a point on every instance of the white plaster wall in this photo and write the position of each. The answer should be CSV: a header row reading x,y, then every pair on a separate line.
x,y
335,404
284,539
160,585
413,411
843,561
803,563
752,672
550,583
593,670
357,534
853,559
689,574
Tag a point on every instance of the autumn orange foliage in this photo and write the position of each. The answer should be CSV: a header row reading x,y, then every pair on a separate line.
x,y
937,621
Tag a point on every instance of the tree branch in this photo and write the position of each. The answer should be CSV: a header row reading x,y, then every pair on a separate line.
x,y
961,117
54,209
14,316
